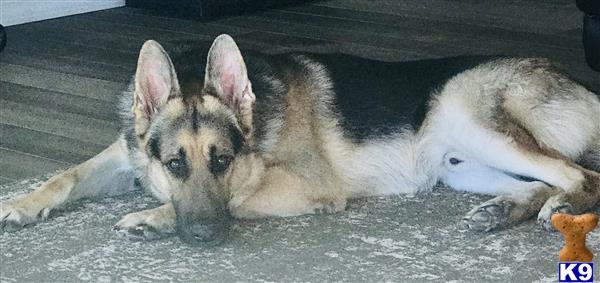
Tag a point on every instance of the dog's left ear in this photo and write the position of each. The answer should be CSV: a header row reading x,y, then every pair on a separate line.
x,y
226,77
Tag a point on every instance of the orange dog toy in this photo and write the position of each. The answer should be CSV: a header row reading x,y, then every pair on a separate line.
x,y
575,228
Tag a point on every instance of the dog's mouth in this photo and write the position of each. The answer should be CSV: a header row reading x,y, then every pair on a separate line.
x,y
202,227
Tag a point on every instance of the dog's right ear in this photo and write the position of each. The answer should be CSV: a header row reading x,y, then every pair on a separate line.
x,y
155,82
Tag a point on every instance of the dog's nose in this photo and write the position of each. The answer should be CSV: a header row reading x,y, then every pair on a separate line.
x,y
204,234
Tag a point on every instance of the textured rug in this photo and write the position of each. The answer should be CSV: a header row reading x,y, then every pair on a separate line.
x,y
397,238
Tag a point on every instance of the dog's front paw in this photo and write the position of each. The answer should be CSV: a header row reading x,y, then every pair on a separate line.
x,y
16,215
487,216
145,225
555,204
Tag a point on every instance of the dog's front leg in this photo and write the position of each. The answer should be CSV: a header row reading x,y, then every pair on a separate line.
x,y
284,193
108,173
148,224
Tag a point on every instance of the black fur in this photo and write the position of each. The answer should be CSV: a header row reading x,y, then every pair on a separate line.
x,y
154,146
195,119
373,99
236,138
377,99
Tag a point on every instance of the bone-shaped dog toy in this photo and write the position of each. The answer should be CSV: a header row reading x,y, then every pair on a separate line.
x,y
575,228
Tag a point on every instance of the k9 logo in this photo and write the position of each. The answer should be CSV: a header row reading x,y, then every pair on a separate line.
x,y
575,272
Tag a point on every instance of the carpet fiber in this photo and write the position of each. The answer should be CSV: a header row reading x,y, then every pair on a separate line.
x,y
396,238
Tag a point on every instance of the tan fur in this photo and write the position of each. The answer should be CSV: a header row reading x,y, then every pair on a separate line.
x,y
298,176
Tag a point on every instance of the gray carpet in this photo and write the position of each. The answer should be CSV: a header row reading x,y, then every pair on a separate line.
x,y
398,238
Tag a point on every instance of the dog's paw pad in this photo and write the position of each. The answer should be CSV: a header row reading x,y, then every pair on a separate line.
x,y
484,218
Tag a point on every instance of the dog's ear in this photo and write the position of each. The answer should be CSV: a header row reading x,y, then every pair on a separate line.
x,y
227,78
155,81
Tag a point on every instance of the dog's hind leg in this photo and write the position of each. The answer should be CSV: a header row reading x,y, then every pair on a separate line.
x,y
514,152
506,210
507,153
523,119
579,187
575,201
107,173
518,198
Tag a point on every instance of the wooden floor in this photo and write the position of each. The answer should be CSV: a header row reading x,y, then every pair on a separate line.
x,y
59,79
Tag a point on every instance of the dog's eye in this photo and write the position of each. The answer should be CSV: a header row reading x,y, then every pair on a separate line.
x,y
220,163
174,164
178,167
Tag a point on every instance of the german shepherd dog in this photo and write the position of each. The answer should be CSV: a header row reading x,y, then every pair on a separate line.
x,y
223,136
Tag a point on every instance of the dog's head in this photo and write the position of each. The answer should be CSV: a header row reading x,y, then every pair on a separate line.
x,y
197,136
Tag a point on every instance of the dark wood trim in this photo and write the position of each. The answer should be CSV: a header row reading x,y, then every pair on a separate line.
x,y
208,9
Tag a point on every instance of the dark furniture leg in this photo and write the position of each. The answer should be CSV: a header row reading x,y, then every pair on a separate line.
x,y
591,31
2,38
591,40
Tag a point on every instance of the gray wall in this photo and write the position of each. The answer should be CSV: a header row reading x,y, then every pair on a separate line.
x,y
14,12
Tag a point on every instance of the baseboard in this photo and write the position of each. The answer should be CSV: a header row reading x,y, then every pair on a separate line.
x,y
18,12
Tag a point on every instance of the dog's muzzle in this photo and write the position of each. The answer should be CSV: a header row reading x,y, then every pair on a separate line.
x,y
201,229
